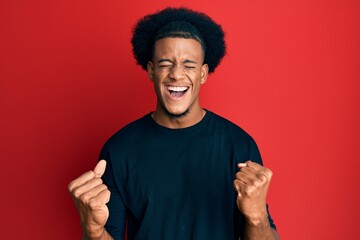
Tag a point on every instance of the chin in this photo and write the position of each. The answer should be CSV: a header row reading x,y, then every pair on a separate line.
x,y
177,114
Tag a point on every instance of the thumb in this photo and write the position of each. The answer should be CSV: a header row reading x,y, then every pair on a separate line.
x,y
100,168
240,165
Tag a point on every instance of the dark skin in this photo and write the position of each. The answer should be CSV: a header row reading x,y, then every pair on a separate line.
x,y
177,62
177,65
90,196
252,184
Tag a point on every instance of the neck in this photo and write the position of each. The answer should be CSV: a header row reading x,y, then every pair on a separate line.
x,y
162,118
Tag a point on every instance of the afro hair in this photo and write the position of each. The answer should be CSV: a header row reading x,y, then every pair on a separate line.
x,y
181,23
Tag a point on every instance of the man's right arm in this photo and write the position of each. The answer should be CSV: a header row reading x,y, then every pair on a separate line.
x,y
90,196
104,236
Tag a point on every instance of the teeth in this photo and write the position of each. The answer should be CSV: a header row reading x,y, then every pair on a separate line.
x,y
177,89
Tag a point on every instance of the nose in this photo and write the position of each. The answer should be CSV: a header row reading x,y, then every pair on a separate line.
x,y
176,72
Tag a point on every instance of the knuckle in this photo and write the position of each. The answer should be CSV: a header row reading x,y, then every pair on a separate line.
x,y
96,181
84,198
70,186
93,204
76,193
241,174
102,187
257,182
254,165
270,172
248,190
108,195
236,185
261,178
250,163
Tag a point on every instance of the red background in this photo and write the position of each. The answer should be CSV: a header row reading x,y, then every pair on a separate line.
x,y
68,81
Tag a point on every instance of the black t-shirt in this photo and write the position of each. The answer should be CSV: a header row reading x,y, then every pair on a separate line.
x,y
176,183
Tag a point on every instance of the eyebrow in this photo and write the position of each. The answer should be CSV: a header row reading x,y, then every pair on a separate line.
x,y
189,61
168,60
164,60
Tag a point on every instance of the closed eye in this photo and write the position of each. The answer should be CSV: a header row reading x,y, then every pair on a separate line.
x,y
164,63
189,67
189,64
165,66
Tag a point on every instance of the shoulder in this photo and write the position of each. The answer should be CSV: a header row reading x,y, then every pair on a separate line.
x,y
129,131
245,147
228,126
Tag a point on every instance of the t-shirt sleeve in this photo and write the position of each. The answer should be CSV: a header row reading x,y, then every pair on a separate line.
x,y
255,156
116,222
254,153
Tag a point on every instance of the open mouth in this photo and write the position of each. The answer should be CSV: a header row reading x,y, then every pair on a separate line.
x,y
177,92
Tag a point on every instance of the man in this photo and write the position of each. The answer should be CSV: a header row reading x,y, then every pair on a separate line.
x,y
180,172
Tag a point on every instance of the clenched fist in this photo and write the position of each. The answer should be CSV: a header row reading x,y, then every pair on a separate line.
x,y
90,196
252,183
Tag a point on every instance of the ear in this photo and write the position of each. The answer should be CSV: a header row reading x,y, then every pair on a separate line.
x,y
150,70
204,73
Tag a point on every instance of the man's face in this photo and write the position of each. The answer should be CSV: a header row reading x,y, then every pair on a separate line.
x,y
177,71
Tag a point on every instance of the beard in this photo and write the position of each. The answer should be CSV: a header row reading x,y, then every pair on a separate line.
x,y
175,116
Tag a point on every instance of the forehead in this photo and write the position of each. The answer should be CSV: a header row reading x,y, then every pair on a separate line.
x,y
177,48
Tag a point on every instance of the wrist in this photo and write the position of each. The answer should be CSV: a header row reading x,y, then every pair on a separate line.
x,y
93,232
259,229
260,220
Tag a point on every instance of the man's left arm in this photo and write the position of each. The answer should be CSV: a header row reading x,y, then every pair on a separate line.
x,y
252,183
